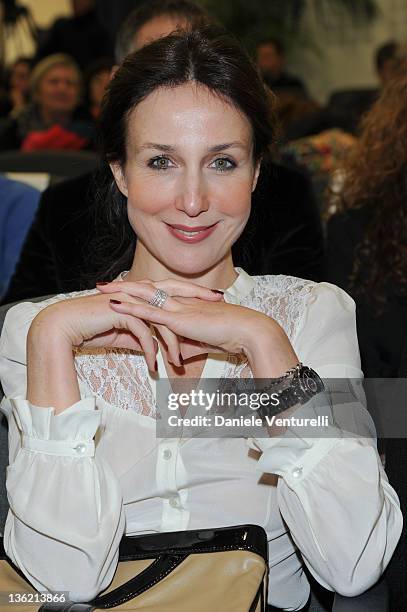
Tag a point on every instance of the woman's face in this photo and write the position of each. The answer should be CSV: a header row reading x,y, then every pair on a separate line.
x,y
188,177
20,77
58,90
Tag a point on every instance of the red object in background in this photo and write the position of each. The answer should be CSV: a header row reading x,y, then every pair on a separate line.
x,y
56,137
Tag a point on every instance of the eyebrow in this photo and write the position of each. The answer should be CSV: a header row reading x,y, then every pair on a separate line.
x,y
170,149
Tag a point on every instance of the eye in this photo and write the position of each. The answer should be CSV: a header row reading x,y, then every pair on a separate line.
x,y
160,163
223,164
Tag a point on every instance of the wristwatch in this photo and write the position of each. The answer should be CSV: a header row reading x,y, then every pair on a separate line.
x,y
297,386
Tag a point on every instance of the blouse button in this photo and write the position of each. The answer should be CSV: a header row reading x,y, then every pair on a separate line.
x,y
80,448
167,454
174,502
297,472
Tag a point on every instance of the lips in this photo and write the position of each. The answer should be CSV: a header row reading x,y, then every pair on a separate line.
x,y
190,234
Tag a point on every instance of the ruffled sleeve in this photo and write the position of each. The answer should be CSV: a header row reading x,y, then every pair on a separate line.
x,y
333,492
66,517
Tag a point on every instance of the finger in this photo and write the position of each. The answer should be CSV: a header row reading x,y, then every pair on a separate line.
x,y
144,311
102,284
122,286
141,291
148,345
178,288
172,343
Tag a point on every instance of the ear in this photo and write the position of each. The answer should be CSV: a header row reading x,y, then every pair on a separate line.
x,y
119,177
256,174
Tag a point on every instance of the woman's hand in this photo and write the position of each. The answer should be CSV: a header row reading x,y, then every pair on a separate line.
x,y
87,322
215,324
58,328
177,347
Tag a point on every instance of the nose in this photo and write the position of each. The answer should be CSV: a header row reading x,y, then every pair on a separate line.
x,y
193,196
60,87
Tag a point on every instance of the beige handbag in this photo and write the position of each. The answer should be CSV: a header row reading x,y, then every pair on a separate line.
x,y
206,570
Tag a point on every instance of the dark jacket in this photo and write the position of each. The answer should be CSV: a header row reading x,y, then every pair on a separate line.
x,y
83,37
383,337
283,235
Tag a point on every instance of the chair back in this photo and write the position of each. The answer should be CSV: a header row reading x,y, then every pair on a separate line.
x,y
59,164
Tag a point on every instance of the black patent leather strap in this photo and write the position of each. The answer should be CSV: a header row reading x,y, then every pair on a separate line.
x,y
242,537
154,573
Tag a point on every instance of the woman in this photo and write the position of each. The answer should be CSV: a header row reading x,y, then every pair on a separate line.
x,y
185,126
97,78
16,96
54,120
367,256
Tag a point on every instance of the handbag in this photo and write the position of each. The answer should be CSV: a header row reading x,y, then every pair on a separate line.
x,y
219,570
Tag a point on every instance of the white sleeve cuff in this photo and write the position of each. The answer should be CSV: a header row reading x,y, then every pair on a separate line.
x,y
291,457
68,433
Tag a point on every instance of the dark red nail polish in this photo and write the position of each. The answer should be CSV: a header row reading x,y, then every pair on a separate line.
x,y
102,283
115,301
156,366
217,291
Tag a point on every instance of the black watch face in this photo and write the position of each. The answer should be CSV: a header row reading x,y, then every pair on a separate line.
x,y
310,382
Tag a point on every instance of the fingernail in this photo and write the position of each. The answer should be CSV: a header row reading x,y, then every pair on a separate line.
x,y
115,301
102,283
156,365
181,360
217,291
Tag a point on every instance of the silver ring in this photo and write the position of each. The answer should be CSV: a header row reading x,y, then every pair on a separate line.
x,y
158,299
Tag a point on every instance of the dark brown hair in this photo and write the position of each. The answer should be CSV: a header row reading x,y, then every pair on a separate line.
x,y
376,178
209,57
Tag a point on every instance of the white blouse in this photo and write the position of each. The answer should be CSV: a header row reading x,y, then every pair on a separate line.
x,y
72,494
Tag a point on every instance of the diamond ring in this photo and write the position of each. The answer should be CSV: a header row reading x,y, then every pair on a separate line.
x,y
158,299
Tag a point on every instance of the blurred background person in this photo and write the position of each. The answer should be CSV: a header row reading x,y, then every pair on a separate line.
x,y
346,107
320,156
97,78
81,36
385,61
154,19
18,203
54,119
271,61
17,87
